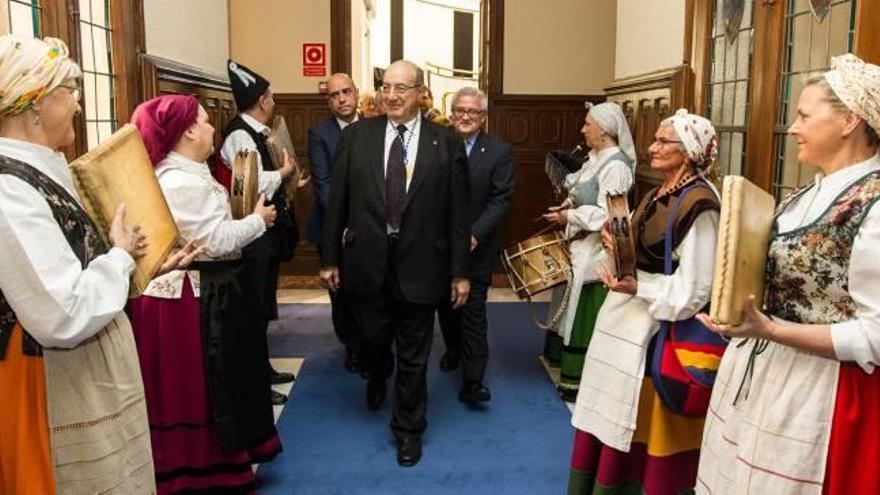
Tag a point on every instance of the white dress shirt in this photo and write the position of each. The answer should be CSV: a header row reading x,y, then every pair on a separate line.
x,y
343,124
410,144
59,303
201,210
239,140
859,339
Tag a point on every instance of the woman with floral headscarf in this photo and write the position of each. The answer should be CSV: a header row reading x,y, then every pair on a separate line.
x,y
609,168
73,418
796,401
629,438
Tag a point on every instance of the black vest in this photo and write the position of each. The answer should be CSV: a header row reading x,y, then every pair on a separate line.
x,y
284,231
79,230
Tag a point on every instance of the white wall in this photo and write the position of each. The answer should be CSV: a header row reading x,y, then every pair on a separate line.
x,y
559,46
194,32
650,36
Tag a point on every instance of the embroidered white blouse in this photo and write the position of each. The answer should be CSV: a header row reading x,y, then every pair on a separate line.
x,y
200,207
269,180
859,339
58,302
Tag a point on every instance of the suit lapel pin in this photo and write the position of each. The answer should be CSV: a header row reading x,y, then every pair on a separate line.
x,y
434,142
482,150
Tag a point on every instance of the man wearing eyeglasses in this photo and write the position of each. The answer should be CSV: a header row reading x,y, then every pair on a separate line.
x,y
401,194
492,184
342,98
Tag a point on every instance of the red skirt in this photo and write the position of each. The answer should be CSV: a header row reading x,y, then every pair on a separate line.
x,y
854,446
186,445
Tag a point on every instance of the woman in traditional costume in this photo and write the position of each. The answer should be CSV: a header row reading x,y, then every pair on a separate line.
x,y
609,169
628,439
796,401
204,370
73,417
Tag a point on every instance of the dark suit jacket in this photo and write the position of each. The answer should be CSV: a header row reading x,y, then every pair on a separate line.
x,y
434,238
492,185
323,140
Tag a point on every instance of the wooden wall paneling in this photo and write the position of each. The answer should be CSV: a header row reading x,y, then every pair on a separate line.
x,y
764,92
302,111
701,51
647,100
128,41
340,35
867,42
534,125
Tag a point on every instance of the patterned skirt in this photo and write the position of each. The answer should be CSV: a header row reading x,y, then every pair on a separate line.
x,y
662,459
186,441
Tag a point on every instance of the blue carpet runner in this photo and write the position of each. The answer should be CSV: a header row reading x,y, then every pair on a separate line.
x,y
519,444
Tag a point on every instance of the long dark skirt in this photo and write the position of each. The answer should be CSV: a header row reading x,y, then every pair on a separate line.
x,y
206,383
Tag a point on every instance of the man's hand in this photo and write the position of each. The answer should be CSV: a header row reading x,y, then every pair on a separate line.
x,y
474,243
330,277
181,258
288,165
461,287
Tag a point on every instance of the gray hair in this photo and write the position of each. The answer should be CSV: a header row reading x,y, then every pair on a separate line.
x,y
471,91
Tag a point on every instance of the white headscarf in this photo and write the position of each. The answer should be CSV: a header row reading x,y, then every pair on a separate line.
x,y
30,69
857,84
697,134
610,118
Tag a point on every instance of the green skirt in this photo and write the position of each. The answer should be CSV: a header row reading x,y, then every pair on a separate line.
x,y
572,360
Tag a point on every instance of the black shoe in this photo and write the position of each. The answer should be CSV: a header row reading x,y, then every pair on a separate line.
x,y
351,361
567,394
278,399
409,451
449,362
474,392
375,393
277,377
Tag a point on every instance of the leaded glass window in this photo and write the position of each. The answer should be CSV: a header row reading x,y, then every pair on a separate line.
x,y
24,17
95,39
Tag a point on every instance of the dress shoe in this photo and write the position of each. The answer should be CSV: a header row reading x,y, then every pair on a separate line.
x,y
351,361
449,362
409,451
277,377
567,394
474,392
278,399
375,393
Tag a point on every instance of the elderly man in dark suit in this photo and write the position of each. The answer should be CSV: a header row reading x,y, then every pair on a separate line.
x,y
492,184
342,98
399,200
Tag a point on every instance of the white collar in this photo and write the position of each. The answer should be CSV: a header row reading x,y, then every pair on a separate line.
x,y
175,160
255,124
848,174
46,160
343,124
602,155
410,125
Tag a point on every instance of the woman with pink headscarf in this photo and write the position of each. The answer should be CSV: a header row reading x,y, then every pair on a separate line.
x,y
205,377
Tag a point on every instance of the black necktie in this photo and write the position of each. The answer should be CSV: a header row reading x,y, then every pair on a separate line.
x,y
395,181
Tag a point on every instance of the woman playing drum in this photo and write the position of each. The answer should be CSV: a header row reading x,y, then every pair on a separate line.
x,y
609,169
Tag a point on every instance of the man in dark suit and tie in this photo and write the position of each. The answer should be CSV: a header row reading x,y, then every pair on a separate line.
x,y
492,184
401,195
342,98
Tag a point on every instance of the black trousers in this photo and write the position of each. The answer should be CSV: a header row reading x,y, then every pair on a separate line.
x,y
387,318
262,263
465,330
344,321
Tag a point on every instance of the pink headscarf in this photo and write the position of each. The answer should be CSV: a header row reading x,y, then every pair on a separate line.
x,y
163,120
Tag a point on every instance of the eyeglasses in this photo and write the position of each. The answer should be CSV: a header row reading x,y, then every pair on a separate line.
x,y
399,89
341,92
74,91
470,112
663,141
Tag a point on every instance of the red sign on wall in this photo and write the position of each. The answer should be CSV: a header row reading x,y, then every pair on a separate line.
x,y
314,59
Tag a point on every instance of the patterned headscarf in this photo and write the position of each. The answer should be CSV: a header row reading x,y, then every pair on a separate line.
x,y
610,118
857,84
698,137
31,68
162,121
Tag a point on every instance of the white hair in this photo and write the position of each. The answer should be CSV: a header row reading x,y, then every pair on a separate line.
x,y
472,91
